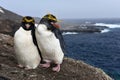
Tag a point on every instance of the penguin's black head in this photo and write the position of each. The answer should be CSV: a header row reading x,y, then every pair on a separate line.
x,y
50,18
28,23
50,21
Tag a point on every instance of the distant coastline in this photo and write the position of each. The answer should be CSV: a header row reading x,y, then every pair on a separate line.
x,y
83,28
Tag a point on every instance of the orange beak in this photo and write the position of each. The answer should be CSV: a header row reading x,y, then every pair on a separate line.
x,y
56,25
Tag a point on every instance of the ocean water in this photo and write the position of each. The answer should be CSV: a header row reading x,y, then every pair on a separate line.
x,y
101,50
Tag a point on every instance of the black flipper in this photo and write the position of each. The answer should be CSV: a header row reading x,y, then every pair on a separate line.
x,y
35,42
58,35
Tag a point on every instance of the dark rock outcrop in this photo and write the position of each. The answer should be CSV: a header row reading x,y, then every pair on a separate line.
x,y
8,26
9,21
82,27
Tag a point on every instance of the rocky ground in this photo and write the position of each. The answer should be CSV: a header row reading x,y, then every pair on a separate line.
x,y
70,69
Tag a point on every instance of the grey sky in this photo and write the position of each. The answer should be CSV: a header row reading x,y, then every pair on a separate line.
x,y
65,8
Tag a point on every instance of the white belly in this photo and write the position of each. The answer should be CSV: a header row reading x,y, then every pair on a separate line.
x,y
49,46
26,52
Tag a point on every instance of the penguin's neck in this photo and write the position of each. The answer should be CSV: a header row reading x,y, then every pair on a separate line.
x,y
27,29
23,31
30,32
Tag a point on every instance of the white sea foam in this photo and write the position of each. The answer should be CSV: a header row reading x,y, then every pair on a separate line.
x,y
66,33
1,11
105,30
108,25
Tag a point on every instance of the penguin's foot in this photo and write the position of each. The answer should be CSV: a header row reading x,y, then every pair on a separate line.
x,y
56,68
45,65
20,66
26,68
